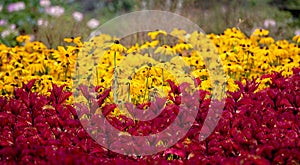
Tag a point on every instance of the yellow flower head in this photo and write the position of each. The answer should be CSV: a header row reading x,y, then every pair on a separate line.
x,y
296,38
165,49
76,40
23,38
260,32
154,34
117,47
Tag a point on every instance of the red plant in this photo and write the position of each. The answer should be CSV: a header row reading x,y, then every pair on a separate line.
x,y
255,128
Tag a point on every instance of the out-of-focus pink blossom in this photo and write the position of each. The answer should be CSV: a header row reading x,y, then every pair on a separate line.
x,y
16,6
3,22
12,27
77,16
5,33
93,23
32,37
297,32
55,11
269,23
42,22
45,3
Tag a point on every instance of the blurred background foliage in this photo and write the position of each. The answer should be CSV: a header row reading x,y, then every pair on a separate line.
x,y
281,17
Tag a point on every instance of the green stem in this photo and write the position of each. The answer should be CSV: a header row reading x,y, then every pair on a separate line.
x,y
146,88
77,72
97,76
115,77
162,70
128,96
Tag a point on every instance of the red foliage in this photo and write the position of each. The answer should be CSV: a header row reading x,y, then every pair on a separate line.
x,y
255,128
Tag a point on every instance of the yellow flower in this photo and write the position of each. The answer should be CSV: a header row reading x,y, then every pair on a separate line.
x,y
154,34
134,48
231,85
201,73
179,33
266,40
36,68
260,32
34,46
263,83
65,57
76,41
23,38
8,88
148,44
182,46
206,85
165,49
296,38
117,47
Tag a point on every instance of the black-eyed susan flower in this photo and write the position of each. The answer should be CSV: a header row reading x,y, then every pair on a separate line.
x,y
296,38
179,33
266,40
231,85
34,68
135,48
154,34
65,56
182,47
260,32
118,47
76,40
165,50
23,38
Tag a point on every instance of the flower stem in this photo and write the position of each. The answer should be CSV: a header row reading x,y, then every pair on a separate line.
x,y
146,88
128,93
77,71
162,77
97,76
115,77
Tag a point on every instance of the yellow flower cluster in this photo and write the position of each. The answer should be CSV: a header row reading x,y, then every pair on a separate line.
x,y
250,57
140,70
33,60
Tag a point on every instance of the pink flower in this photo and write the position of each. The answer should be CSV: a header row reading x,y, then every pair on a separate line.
x,y
3,22
5,33
269,23
297,32
42,22
55,11
92,23
45,3
77,16
16,6
12,27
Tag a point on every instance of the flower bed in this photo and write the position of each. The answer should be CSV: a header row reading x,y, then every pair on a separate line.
x,y
259,124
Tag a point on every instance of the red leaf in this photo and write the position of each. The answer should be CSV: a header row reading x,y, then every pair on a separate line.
x,y
102,97
29,85
177,100
108,108
283,102
197,82
174,88
63,97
